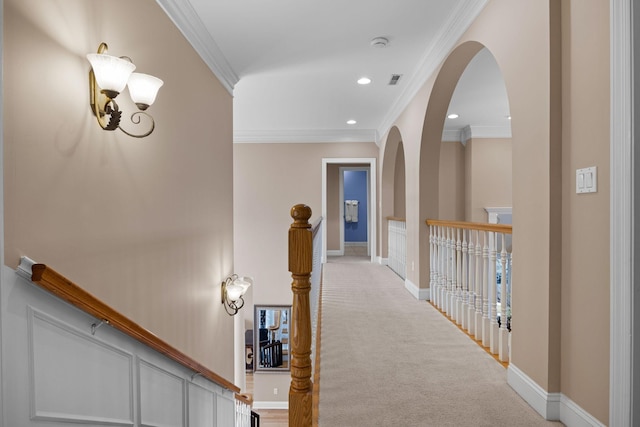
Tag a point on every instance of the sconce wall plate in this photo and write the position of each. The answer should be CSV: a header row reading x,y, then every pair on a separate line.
x,y
116,73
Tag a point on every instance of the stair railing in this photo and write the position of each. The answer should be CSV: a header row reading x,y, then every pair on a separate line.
x,y
470,279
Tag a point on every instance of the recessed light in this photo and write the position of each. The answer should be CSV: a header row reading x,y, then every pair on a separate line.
x,y
452,116
364,80
351,122
509,117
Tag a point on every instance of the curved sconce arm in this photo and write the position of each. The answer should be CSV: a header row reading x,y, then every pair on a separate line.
x,y
233,289
114,74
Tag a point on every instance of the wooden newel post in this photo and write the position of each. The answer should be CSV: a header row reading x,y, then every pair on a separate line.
x,y
300,266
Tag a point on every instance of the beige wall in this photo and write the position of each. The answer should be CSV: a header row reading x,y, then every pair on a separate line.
x,y
333,207
268,180
399,193
585,218
144,225
488,168
452,181
560,123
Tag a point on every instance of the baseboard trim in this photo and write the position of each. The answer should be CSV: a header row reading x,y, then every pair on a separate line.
x,y
573,415
383,261
270,405
418,293
551,406
545,403
334,252
356,243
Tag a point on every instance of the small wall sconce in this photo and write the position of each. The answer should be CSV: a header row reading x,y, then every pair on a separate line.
x,y
107,78
233,289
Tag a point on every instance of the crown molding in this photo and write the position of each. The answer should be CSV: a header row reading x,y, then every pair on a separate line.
x,y
459,21
478,132
304,136
191,26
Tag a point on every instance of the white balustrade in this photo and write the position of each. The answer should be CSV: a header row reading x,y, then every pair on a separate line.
x,y
397,249
243,413
470,279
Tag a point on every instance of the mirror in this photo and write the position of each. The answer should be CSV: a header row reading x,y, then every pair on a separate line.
x,y
271,326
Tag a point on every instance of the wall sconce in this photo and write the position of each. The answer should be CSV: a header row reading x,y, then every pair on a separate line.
x,y
233,288
107,78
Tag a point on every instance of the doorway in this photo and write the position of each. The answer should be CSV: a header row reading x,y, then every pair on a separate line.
x,y
333,197
354,211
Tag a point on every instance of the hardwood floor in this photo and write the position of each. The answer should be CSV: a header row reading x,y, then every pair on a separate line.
x,y
269,417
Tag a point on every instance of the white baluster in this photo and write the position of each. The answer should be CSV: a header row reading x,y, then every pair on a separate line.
x,y
485,291
451,282
431,263
441,263
465,282
503,344
493,321
478,288
458,295
471,306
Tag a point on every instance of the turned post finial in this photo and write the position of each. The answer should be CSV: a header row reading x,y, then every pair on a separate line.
x,y
300,214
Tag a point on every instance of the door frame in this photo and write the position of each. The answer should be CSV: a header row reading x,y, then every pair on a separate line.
x,y
372,202
342,170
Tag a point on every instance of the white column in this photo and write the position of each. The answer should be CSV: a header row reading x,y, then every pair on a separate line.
x,y
458,295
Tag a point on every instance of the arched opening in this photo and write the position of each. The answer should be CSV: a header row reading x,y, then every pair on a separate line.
x,y
465,162
393,195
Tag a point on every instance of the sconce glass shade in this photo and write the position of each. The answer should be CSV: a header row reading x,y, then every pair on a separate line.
x,y
233,288
112,73
143,89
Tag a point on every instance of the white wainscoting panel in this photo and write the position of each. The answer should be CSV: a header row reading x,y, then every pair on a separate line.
x,y
76,378
225,411
56,372
162,397
201,406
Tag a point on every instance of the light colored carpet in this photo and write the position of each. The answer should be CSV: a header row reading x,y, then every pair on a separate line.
x,y
390,360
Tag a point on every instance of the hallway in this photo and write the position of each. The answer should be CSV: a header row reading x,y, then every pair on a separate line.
x,y
388,359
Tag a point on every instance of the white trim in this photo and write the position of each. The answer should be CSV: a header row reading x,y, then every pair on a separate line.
x,y
621,216
335,253
382,261
184,16
545,403
418,293
270,405
360,244
573,415
478,132
459,21
371,161
551,406
25,269
305,135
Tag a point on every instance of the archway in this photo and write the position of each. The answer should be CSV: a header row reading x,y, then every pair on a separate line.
x,y
392,186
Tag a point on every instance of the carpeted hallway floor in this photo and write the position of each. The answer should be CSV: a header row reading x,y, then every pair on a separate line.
x,y
388,359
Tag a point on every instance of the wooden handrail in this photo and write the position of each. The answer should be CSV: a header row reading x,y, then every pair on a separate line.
x,y
395,218
244,398
498,228
68,291
300,266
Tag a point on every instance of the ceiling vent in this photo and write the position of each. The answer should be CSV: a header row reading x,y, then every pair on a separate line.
x,y
394,79
379,42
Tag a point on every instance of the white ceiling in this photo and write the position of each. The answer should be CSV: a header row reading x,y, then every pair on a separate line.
x,y
292,65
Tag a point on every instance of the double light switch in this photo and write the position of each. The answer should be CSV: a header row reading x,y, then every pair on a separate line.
x,y
587,180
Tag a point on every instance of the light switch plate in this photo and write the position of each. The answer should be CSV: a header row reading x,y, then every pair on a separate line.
x,y
587,180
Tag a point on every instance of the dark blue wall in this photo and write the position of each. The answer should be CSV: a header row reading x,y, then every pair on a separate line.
x,y
355,188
